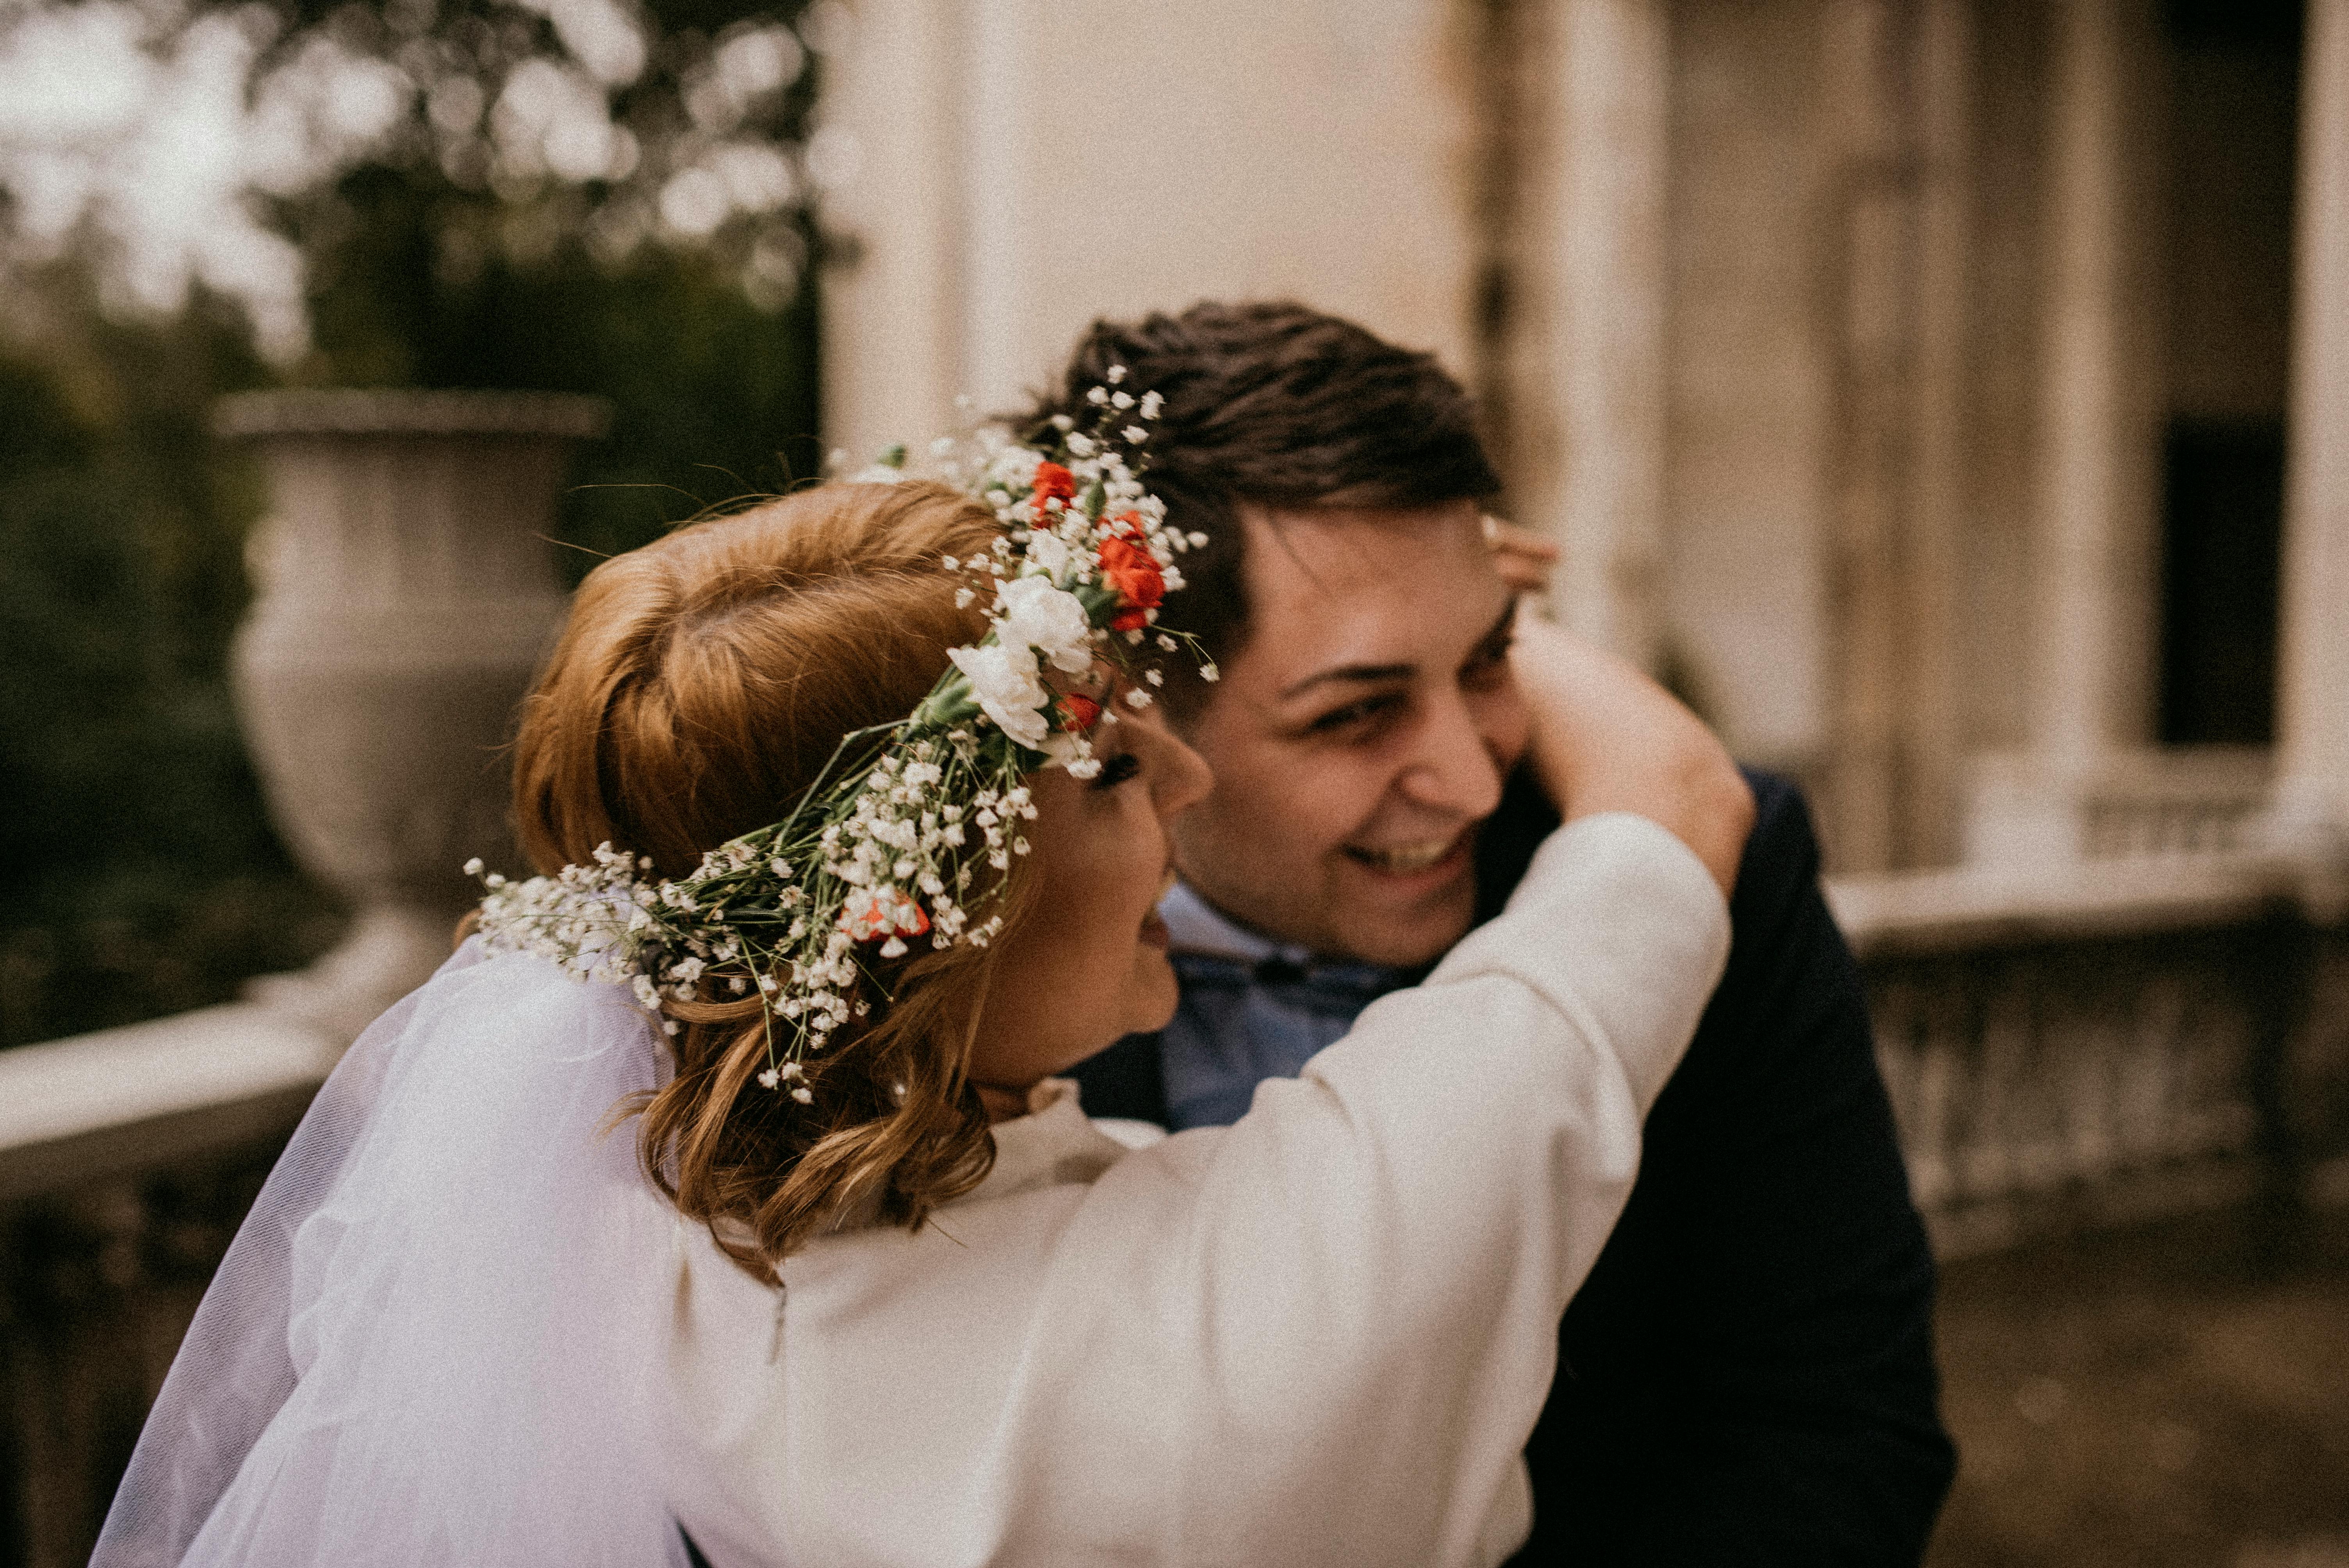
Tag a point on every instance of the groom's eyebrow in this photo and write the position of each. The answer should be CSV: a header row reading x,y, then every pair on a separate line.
x,y
1360,673
1357,673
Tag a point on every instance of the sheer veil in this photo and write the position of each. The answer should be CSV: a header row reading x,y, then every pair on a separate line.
x,y
435,1339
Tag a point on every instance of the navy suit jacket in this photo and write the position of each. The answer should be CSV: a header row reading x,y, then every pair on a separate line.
x,y
1747,1375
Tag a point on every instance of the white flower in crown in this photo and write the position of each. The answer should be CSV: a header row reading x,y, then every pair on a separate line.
x,y
1051,551
1003,683
1073,752
1031,613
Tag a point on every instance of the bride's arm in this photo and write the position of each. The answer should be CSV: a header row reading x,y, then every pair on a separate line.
x,y
1323,1335
1352,1295
1355,1291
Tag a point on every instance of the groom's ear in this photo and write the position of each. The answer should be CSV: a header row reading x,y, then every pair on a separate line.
x,y
1186,700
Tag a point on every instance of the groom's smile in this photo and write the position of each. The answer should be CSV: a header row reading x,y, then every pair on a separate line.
x,y
1412,859
1361,733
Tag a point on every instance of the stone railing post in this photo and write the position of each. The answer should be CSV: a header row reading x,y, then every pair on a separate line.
x,y
405,596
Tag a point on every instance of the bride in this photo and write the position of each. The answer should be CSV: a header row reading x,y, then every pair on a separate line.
x,y
722,1186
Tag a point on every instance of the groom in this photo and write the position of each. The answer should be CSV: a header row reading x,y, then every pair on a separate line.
x,y
1747,1375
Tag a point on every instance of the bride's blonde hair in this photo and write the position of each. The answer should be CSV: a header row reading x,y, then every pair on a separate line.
x,y
700,685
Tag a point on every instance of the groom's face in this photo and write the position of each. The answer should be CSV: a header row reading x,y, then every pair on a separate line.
x,y
1360,736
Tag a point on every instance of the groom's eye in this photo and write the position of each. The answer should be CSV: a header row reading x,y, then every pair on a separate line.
x,y
1357,716
1116,770
1487,666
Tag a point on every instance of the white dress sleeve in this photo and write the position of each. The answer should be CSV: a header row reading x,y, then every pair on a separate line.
x,y
1320,1335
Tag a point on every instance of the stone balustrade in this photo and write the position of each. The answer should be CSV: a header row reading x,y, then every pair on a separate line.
x,y
2121,804
2108,1040
2182,801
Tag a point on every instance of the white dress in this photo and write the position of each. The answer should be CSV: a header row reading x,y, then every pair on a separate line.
x,y
1321,1334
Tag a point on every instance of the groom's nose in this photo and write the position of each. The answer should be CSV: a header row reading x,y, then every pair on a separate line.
x,y
1451,767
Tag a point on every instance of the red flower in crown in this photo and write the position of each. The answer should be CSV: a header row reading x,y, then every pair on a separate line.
x,y
1081,712
1053,481
1128,566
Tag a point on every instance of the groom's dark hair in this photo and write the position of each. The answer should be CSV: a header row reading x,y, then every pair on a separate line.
x,y
1279,406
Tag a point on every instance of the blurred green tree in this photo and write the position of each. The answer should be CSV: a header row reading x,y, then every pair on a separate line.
x,y
141,872
715,390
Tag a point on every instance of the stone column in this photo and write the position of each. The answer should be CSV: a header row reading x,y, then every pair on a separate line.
x,y
895,300
1013,198
1899,76
958,194
1943,495
2312,705
1593,470
1025,166
2096,500
2094,541
1869,90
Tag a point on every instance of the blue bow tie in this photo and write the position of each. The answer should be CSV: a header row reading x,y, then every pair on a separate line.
x,y
1335,988
1242,1021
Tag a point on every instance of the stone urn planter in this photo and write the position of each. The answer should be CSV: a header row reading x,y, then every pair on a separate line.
x,y
405,596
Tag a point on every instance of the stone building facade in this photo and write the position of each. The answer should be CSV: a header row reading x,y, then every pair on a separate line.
x,y
1950,395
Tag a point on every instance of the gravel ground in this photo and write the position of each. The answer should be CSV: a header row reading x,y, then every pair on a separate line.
x,y
2162,1399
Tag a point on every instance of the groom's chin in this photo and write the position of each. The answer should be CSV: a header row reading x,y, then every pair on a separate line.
x,y
1408,933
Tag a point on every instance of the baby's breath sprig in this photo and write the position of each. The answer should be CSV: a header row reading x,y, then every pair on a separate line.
x,y
907,833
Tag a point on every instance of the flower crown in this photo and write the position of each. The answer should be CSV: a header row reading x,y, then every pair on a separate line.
x,y
885,845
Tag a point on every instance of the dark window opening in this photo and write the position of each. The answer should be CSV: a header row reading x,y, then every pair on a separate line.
x,y
2269,25
2223,531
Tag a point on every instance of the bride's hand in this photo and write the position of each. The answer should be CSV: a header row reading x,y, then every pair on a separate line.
x,y
1607,738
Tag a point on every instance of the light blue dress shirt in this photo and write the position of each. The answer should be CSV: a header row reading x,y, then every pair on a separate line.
x,y
1252,1009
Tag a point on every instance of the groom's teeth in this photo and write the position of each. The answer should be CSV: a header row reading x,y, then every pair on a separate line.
x,y
1409,857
